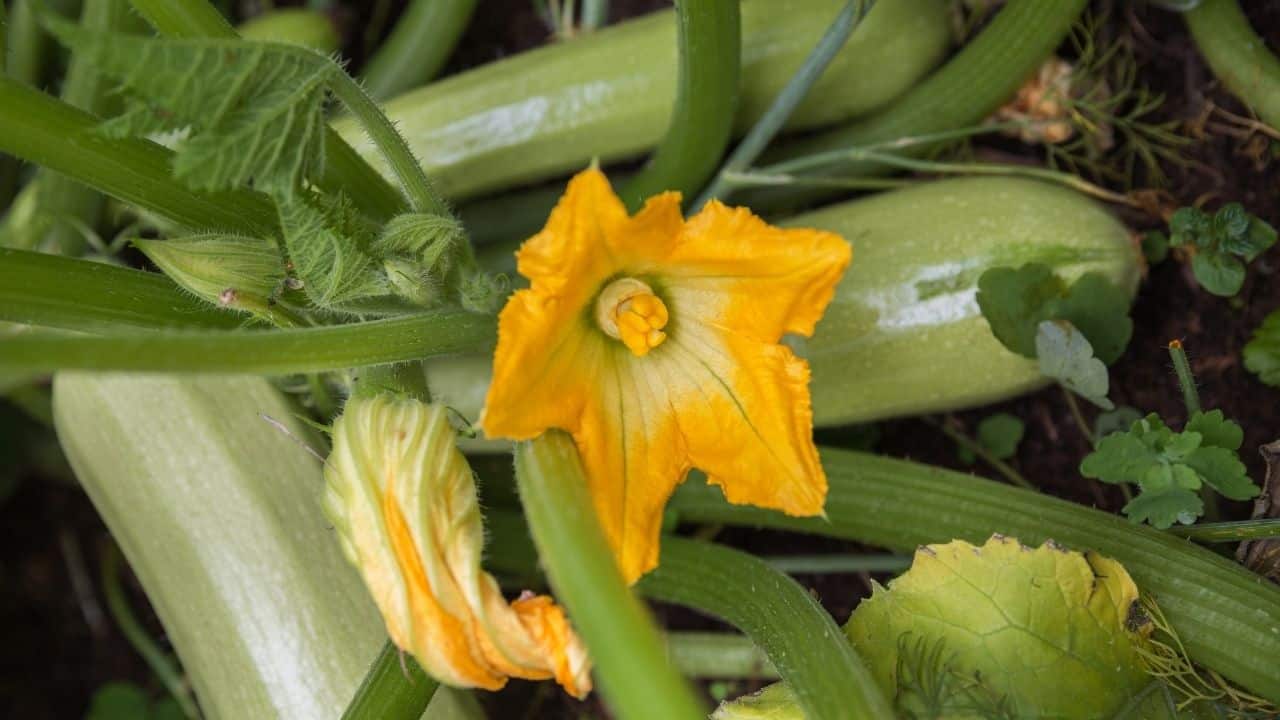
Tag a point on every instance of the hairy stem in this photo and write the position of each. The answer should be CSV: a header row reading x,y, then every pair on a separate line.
x,y
636,677
710,41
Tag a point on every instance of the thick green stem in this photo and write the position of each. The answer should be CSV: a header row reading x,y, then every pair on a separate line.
x,y
1237,56
984,74
838,564
1229,531
345,171
763,132
55,135
709,37
718,655
635,675
160,663
1186,378
418,46
1228,618
806,646
75,207
58,292
259,352
395,688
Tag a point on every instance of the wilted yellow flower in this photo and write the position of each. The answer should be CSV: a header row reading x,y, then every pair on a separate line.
x,y
404,503
655,342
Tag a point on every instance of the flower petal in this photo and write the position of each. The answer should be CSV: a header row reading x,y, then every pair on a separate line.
x,y
744,412
571,250
734,270
403,500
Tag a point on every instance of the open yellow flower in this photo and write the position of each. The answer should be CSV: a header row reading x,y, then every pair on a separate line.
x,y
403,501
654,341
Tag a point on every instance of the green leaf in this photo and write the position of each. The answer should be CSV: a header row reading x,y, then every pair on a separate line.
x,y
1170,466
1222,470
1216,430
1219,273
118,701
1066,356
775,702
1038,632
1230,221
1262,353
1155,247
254,109
1016,301
1000,434
1117,420
1189,226
335,272
1164,507
1100,310
1119,458
1260,237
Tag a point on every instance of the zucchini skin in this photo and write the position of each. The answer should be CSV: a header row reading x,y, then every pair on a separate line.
x,y
609,94
1237,56
219,515
903,334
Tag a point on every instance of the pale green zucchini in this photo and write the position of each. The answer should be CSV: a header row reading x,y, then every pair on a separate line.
x,y
609,94
219,515
904,334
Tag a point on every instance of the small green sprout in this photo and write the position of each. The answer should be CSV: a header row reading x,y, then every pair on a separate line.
x,y
1170,467
1222,244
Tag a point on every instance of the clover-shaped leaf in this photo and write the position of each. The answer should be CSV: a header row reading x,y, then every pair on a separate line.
x,y
1016,301
1222,244
1170,467
1066,356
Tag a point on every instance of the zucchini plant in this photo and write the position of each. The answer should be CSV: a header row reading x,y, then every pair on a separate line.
x,y
281,362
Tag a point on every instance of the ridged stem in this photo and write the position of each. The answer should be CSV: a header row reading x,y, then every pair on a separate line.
x,y
59,292
1227,617
395,688
806,646
636,677
709,36
258,352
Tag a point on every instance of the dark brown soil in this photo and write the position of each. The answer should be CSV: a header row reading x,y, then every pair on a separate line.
x,y
55,653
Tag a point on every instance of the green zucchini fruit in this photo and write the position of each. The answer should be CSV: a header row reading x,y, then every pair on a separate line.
x,y
609,94
219,515
903,334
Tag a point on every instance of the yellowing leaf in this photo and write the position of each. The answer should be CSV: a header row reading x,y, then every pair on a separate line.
x,y
1015,631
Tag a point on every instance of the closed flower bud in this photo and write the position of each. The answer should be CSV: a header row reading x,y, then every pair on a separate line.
x,y
403,501
213,264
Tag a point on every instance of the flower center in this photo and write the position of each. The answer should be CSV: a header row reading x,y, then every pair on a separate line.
x,y
627,310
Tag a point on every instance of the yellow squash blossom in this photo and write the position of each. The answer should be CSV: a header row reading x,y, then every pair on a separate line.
x,y
654,341
404,503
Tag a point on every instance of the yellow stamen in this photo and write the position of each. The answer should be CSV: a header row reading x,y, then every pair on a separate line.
x,y
628,310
